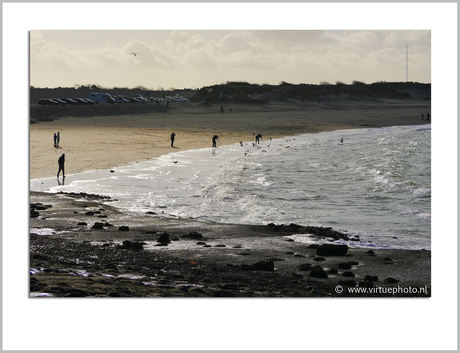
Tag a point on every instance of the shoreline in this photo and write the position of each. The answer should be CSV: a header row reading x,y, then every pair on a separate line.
x,y
93,249
104,142
98,251
201,148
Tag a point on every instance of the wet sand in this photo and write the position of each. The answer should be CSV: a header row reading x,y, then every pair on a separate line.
x,y
82,247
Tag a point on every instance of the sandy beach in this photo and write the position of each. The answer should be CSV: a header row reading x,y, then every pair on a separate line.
x,y
104,142
81,246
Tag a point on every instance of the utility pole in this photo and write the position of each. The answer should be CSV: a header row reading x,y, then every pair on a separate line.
x,y
407,64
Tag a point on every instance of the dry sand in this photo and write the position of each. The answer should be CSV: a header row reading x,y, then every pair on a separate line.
x,y
104,142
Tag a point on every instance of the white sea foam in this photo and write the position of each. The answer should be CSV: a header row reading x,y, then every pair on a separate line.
x,y
376,184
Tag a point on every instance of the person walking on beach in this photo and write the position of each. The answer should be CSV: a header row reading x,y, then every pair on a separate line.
x,y
422,117
172,139
61,162
214,140
427,116
258,137
55,137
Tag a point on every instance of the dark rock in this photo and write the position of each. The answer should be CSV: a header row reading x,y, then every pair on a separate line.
x,y
108,224
82,223
89,213
98,225
299,255
348,274
333,271
224,293
164,238
313,246
201,243
127,244
390,280
150,212
130,245
354,263
369,278
136,246
34,214
388,261
220,246
289,253
112,171
371,252
319,258
316,231
123,228
332,250
305,267
344,266
320,273
193,235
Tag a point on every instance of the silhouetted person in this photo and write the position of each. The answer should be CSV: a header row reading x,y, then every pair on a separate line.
x,y
221,109
61,162
214,140
341,140
258,136
172,139
55,138
58,137
422,116
427,116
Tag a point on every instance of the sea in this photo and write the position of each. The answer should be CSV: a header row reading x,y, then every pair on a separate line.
x,y
371,183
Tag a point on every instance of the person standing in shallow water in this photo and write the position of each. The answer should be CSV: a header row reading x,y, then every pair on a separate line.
x,y
61,162
214,140
172,139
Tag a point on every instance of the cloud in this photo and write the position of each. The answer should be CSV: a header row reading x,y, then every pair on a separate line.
x,y
199,58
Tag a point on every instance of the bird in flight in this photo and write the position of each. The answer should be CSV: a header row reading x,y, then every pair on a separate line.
x,y
134,53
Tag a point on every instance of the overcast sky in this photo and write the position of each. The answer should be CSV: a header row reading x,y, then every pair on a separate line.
x,y
189,59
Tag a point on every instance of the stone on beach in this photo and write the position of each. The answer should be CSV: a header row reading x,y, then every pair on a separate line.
x,y
164,238
318,272
98,225
331,250
193,235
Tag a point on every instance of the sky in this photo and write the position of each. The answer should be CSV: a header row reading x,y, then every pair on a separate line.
x,y
197,58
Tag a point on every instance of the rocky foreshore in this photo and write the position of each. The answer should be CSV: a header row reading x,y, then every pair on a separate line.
x,y
82,247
